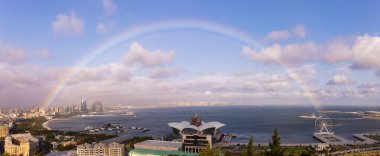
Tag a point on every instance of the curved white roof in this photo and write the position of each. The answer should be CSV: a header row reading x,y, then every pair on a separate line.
x,y
205,125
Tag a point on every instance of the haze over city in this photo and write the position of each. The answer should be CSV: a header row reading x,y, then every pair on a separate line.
x,y
159,53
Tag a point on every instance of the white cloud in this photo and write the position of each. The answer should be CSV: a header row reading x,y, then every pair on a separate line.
x,y
68,24
362,53
44,53
139,56
24,75
288,54
207,93
340,80
10,54
297,31
86,74
306,71
109,7
369,87
102,28
278,35
366,52
338,50
161,73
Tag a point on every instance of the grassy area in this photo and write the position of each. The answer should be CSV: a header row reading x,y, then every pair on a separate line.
x,y
338,148
129,143
296,150
332,139
363,146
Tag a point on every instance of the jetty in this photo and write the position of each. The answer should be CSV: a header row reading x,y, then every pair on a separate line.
x,y
363,138
333,139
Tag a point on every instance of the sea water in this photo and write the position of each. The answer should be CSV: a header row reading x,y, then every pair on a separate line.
x,y
245,121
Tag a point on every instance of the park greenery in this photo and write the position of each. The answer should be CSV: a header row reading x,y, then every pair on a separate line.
x,y
130,143
275,148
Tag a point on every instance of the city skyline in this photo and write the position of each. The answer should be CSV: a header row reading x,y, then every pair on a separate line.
x,y
169,52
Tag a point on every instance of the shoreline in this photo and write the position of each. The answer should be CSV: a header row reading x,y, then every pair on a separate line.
x,y
46,124
299,144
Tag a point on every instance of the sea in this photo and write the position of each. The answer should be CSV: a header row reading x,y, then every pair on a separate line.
x,y
244,121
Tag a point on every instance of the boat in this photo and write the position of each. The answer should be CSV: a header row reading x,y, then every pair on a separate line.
x,y
313,116
88,128
129,113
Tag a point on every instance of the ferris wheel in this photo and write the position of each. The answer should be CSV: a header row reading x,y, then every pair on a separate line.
x,y
323,125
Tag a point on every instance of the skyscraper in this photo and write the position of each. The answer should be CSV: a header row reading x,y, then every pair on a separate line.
x,y
83,105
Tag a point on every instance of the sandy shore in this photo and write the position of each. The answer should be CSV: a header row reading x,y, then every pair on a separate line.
x,y
46,124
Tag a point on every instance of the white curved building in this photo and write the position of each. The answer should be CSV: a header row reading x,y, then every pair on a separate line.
x,y
196,126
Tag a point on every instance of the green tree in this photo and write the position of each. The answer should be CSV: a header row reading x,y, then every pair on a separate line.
x,y
275,148
209,152
231,153
250,150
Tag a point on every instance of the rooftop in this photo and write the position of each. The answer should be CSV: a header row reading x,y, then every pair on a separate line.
x,y
157,152
24,136
205,125
196,123
159,145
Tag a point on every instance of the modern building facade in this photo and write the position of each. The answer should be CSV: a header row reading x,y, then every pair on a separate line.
x,y
83,105
196,134
194,143
25,144
196,126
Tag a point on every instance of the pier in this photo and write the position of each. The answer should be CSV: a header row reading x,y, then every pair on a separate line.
x,y
333,139
365,139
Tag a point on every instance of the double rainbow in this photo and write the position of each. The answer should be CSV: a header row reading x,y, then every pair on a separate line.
x,y
146,29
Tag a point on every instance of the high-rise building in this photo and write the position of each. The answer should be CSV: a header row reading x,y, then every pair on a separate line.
x,y
97,107
83,105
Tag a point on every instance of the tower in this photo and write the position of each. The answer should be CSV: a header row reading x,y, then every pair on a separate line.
x,y
83,105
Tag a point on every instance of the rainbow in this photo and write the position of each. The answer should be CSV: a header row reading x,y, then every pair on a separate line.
x,y
144,29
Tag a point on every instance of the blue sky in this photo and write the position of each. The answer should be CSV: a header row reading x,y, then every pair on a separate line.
x,y
324,49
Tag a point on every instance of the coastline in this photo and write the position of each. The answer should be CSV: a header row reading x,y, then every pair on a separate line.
x,y
46,124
